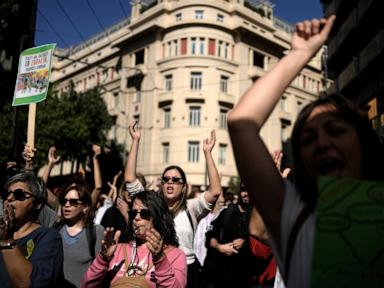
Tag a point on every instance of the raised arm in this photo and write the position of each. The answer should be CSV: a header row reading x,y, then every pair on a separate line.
x,y
52,160
96,174
28,155
130,167
113,191
213,175
253,160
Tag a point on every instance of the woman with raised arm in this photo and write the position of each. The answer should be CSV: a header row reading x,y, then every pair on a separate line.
x,y
330,138
174,191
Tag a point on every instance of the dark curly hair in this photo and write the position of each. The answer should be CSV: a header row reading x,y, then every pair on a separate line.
x,y
161,217
371,148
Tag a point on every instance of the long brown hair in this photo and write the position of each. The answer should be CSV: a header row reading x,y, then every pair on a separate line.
x,y
82,188
182,202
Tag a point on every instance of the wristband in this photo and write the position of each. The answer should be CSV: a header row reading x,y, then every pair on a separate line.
x,y
7,245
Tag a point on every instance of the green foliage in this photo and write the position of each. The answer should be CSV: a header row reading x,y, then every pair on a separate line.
x,y
234,185
72,122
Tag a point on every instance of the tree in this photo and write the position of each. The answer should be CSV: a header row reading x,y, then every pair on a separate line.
x,y
234,185
72,122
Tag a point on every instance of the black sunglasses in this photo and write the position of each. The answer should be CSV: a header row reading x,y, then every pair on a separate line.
x,y
145,214
18,194
175,180
72,202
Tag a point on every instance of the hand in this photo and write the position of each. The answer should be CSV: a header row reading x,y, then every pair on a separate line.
x,y
122,206
134,131
208,144
227,249
309,35
52,158
109,243
238,243
10,165
28,153
96,150
7,223
115,179
277,156
155,244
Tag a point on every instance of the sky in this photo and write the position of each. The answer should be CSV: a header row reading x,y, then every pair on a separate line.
x,y
71,22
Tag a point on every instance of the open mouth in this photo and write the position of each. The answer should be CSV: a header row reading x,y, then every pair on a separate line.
x,y
330,167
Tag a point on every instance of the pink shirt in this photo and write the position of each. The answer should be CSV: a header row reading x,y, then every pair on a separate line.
x,y
170,272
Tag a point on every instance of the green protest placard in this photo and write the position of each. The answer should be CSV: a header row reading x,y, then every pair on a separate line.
x,y
349,239
33,75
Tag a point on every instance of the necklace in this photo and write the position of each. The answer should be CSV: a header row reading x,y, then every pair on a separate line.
x,y
134,269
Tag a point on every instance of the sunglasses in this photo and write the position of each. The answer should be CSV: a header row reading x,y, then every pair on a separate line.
x,y
72,202
18,194
175,180
145,214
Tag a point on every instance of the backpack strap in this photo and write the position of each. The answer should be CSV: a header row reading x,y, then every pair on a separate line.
x,y
91,239
292,238
190,221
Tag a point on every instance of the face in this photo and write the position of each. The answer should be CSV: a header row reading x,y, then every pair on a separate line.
x,y
72,207
244,197
141,218
235,199
21,201
329,145
172,185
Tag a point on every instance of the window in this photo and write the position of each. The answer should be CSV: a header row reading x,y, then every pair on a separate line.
x,y
202,46
167,117
176,47
199,14
193,151
137,96
222,153
220,18
211,47
165,146
194,116
224,84
196,78
299,106
283,103
223,119
258,59
193,45
139,57
183,46
284,132
226,51
220,48
168,82
178,17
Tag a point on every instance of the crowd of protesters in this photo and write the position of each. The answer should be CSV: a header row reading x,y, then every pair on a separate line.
x,y
163,235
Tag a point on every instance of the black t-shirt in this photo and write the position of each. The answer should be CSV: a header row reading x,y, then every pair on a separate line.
x,y
44,250
113,218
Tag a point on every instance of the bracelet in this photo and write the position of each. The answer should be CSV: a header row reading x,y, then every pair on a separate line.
x,y
7,245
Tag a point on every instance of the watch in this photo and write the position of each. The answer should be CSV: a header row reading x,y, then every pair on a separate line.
x,y
7,245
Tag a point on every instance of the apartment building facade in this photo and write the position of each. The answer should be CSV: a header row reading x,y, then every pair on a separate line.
x,y
178,67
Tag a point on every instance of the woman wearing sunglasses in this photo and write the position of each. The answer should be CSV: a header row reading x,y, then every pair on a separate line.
x,y
150,258
31,254
174,191
81,239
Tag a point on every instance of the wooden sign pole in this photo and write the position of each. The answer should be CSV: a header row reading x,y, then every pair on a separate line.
x,y
31,125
